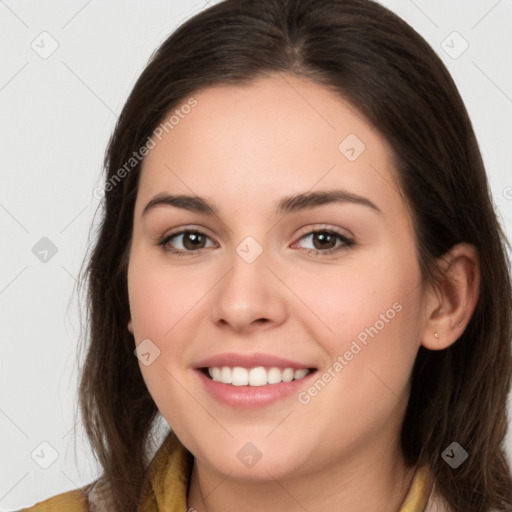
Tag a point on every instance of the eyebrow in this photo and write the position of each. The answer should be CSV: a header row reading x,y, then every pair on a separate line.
x,y
286,205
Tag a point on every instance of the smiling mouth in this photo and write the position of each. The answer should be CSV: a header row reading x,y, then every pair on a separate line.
x,y
257,376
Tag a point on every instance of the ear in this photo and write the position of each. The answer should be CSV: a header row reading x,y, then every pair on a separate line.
x,y
130,326
452,301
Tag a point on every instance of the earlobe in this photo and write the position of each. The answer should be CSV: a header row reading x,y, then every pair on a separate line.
x,y
451,305
130,326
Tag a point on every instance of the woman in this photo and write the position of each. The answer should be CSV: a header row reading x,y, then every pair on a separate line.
x,y
373,362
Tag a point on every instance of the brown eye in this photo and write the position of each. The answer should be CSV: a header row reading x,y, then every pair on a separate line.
x,y
191,241
326,241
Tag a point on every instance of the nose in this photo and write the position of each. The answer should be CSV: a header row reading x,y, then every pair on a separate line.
x,y
250,296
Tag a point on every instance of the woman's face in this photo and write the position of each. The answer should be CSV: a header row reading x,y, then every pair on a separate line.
x,y
325,284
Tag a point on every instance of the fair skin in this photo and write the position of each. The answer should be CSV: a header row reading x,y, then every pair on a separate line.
x,y
243,148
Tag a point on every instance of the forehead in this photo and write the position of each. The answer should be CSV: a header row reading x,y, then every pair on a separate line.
x,y
279,133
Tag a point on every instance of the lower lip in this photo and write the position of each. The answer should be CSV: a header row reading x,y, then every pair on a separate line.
x,y
250,397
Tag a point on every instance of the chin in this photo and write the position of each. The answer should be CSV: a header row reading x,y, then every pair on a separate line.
x,y
252,460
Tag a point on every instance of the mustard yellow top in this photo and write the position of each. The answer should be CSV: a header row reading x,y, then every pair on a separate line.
x,y
169,475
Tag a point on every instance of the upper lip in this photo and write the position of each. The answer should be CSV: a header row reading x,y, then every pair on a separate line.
x,y
250,361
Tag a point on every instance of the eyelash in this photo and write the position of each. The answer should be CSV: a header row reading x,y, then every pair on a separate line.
x,y
347,242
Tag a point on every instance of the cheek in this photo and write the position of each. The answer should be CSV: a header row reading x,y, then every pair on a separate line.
x,y
362,394
377,298
160,297
373,316
166,303
159,303
370,325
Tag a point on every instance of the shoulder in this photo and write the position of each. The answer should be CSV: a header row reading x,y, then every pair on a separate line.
x,y
437,503
71,501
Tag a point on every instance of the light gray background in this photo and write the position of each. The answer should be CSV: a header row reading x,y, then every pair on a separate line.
x,y
57,112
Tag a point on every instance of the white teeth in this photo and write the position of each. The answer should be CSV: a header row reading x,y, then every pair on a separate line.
x,y
300,374
239,376
226,375
258,376
215,374
288,375
274,376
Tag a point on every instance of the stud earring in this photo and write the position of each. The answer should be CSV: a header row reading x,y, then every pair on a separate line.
x,y
436,334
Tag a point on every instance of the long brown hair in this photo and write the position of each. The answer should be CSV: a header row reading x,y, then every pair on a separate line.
x,y
377,62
